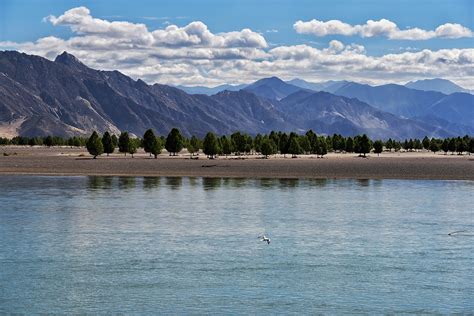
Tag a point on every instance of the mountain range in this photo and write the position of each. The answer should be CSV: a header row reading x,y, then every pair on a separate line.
x,y
437,84
64,97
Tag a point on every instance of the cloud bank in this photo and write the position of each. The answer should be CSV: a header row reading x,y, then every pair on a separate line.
x,y
194,55
381,27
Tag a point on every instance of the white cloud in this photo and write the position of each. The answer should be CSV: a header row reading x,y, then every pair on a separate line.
x,y
381,27
192,54
194,34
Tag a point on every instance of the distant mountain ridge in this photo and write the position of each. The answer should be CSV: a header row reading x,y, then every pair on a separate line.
x,y
437,84
210,90
272,88
64,97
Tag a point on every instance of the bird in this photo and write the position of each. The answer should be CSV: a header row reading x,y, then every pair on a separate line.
x,y
458,231
264,238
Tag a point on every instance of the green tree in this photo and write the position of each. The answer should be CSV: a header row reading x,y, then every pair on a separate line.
x,y
114,141
48,141
149,139
174,142
33,141
275,138
239,142
461,145
349,145
338,142
434,145
452,145
124,143
133,145
426,143
210,145
94,145
227,146
155,147
364,145
268,147
445,146
322,147
389,144
107,143
192,145
284,144
378,147
294,147
471,146
397,145
195,143
257,142
313,141
305,144
417,144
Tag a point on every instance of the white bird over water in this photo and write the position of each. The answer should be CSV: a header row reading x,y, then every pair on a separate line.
x,y
264,238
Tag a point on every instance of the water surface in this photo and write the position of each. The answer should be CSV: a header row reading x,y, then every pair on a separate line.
x,y
189,245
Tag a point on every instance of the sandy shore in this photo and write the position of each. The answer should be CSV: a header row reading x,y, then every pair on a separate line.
x,y
73,161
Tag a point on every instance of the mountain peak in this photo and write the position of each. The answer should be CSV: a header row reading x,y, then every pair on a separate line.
x,y
68,59
436,84
273,79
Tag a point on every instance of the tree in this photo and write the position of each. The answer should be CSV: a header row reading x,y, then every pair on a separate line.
x,y
132,146
192,145
313,141
461,145
268,147
284,144
378,147
338,142
397,146
210,145
322,147
239,142
149,140
426,143
226,145
114,141
248,141
417,144
434,145
195,143
471,146
389,144
155,147
124,142
305,144
452,145
275,138
364,145
257,142
107,143
349,145
445,146
174,142
294,147
94,145
48,141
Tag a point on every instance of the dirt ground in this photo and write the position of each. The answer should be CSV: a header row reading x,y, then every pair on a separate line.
x,y
76,161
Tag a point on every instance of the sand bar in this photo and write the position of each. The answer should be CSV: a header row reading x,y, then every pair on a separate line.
x,y
74,161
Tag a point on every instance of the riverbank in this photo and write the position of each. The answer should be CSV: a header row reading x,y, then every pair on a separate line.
x,y
76,161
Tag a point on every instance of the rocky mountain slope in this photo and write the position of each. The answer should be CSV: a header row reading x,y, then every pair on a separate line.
x,y
64,97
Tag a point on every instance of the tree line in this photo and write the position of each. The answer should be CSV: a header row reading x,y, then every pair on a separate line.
x,y
243,144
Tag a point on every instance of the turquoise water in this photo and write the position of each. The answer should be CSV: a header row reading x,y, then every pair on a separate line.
x,y
189,246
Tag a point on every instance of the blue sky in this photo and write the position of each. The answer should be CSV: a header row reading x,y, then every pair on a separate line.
x,y
23,22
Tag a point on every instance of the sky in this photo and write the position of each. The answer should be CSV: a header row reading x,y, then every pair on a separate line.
x,y
211,42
